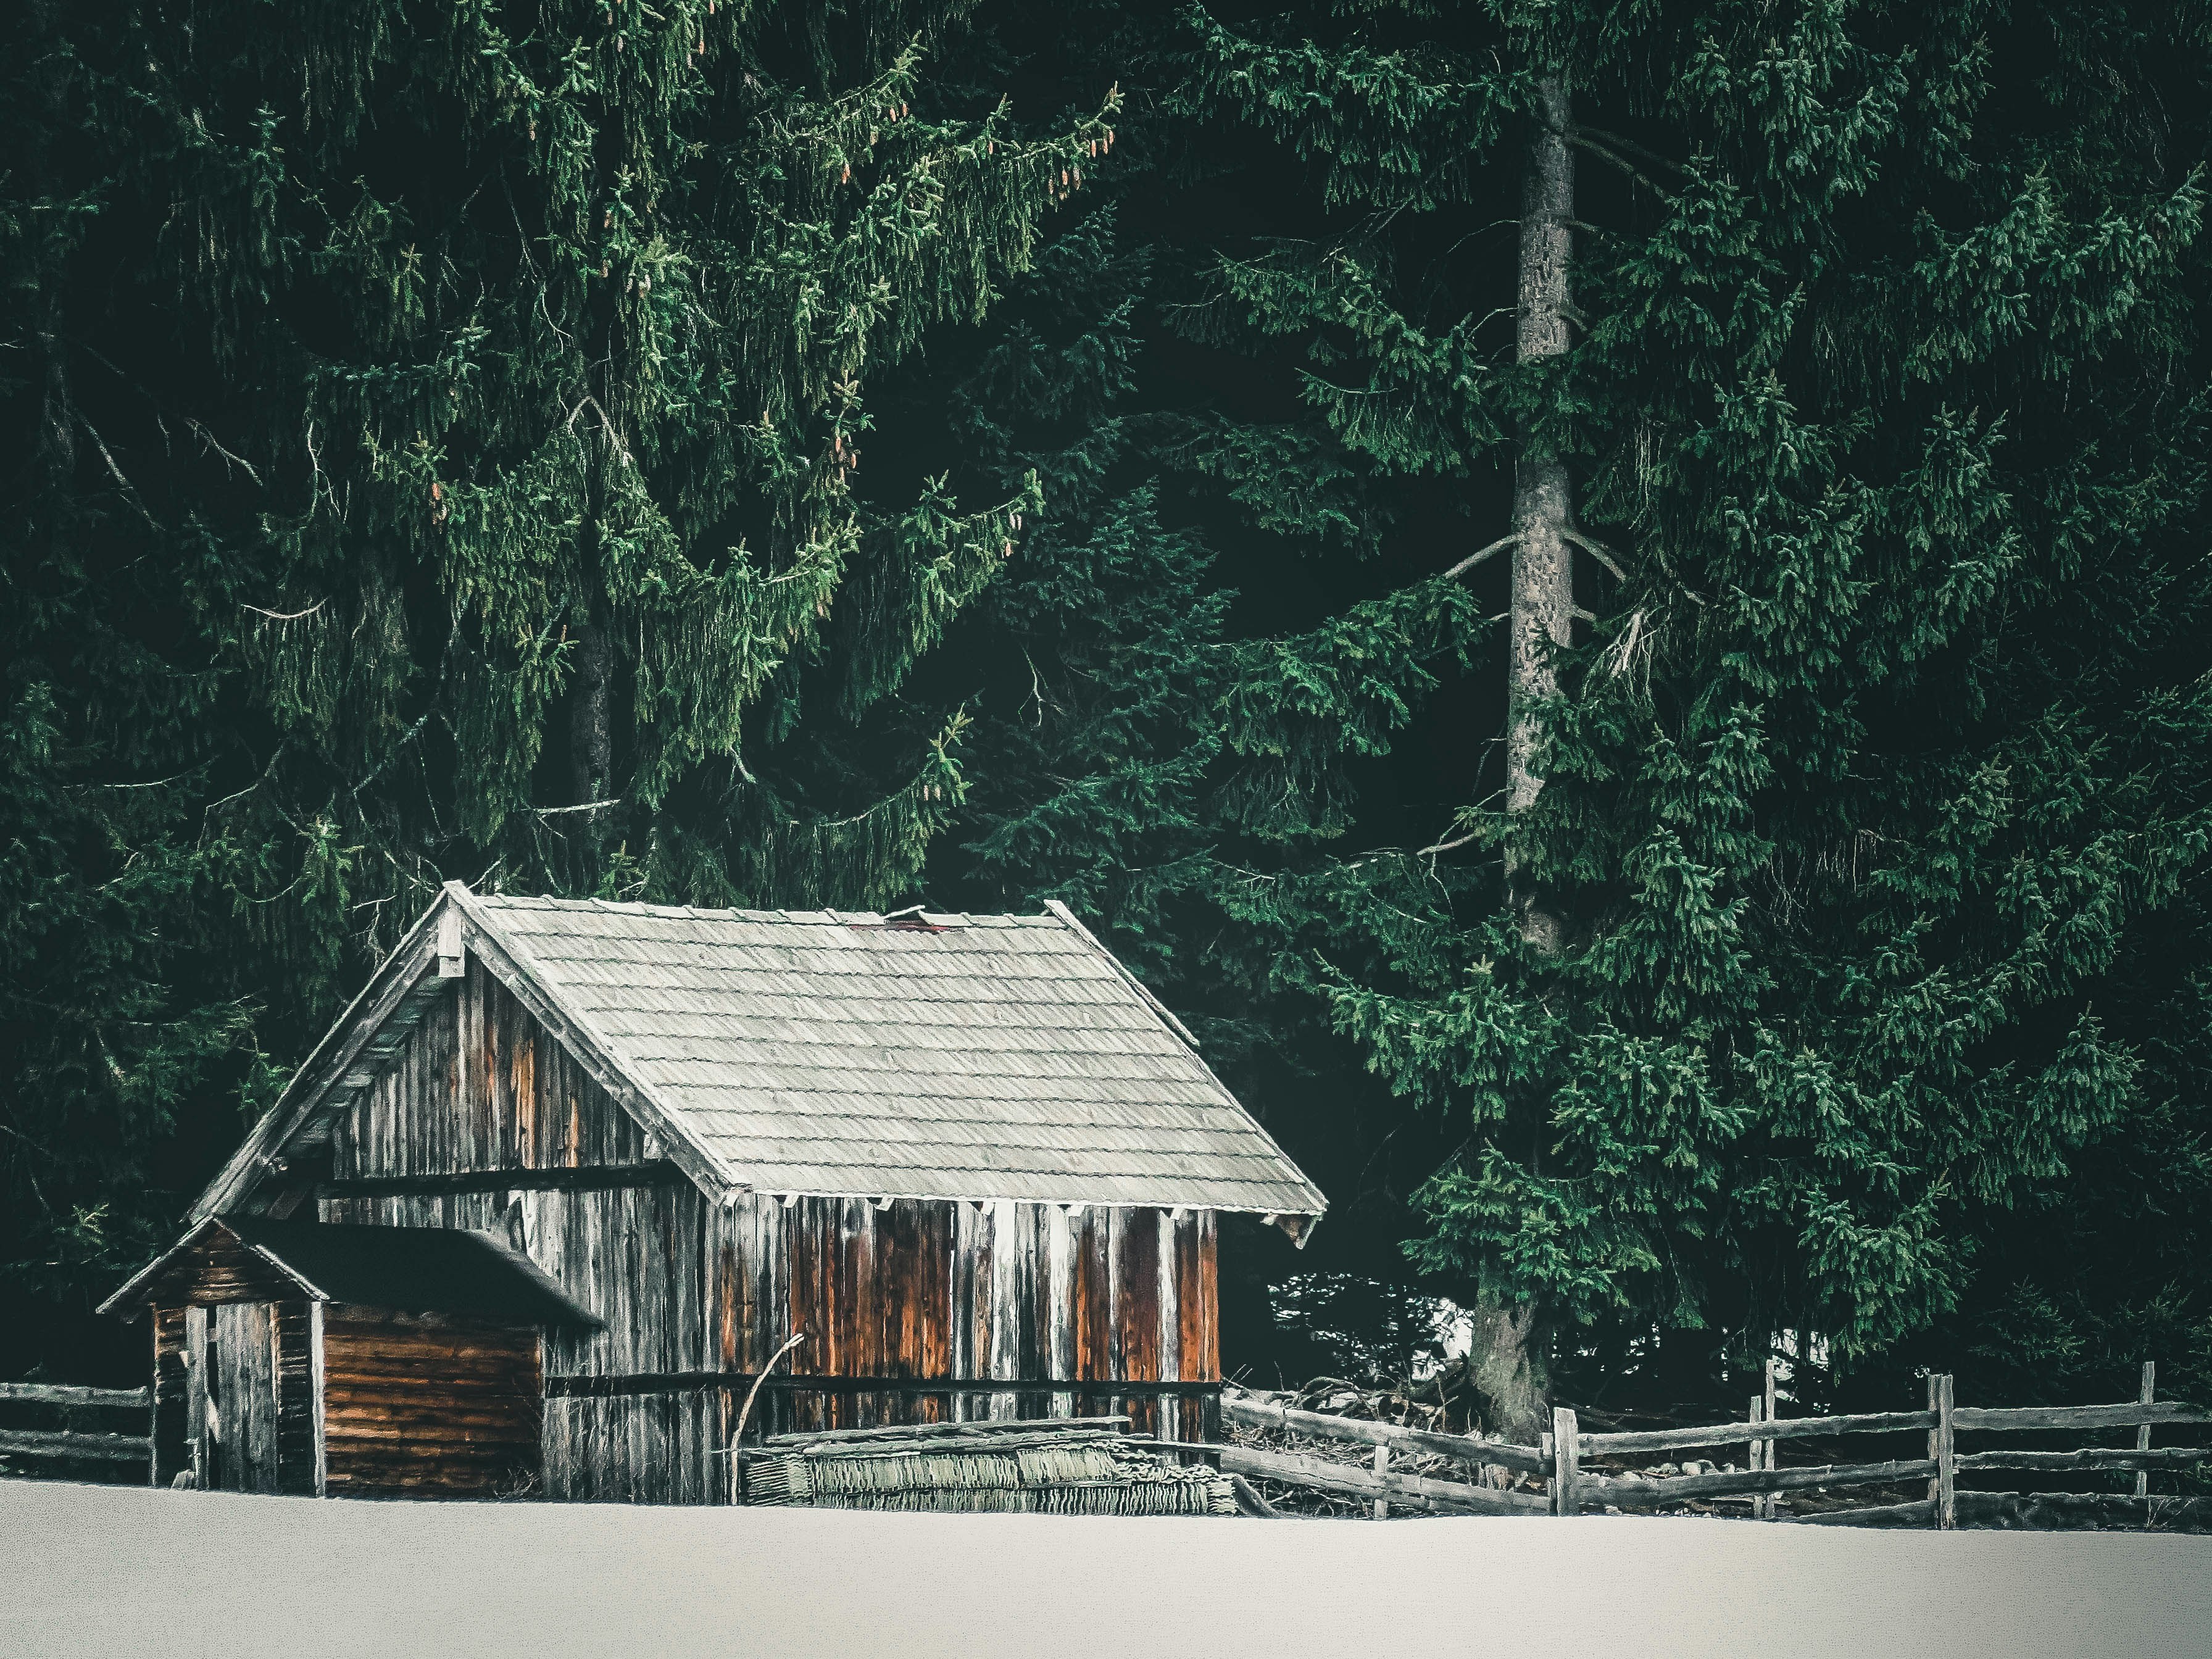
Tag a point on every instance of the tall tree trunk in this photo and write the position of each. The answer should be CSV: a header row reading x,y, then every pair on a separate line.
x,y
1506,1364
591,713
1542,611
590,716
1507,1361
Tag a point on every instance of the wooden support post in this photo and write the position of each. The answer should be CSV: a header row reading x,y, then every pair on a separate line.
x,y
1382,1466
1543,1450
1935,1437
1769,1506
1567,1462
2143,1431
1761,1506
1946,1457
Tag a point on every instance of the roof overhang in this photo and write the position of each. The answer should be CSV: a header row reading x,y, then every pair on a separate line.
x,y
136,1292
405,1270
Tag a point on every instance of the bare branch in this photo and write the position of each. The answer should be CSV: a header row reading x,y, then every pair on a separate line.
x,y
1598,550
1628,146
286,616
1480,554
1583,141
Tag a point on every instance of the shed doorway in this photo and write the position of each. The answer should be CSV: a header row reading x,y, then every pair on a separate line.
x,y
231,1417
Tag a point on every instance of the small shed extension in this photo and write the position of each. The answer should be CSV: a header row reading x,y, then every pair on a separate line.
x,y
294,1357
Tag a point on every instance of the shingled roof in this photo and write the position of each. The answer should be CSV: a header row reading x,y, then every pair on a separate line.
x,y
936,1056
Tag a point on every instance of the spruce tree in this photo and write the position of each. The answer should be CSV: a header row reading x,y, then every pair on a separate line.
x,y
470,492
1793,955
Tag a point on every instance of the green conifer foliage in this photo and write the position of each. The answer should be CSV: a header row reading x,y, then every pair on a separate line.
x,y
443,420
1090,666
1875,772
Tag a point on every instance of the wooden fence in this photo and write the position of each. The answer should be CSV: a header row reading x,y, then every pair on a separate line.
x,y
1571,1486
69,1451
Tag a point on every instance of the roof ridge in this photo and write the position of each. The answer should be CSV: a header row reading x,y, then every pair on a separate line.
x,y
945,919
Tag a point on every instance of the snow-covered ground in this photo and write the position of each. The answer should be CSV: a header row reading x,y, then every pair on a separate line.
x,y
106,1572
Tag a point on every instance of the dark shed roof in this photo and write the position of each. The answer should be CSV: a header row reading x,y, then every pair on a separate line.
x,y
423,1270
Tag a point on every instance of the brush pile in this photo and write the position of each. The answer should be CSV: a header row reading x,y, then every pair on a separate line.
x,y
1437,1404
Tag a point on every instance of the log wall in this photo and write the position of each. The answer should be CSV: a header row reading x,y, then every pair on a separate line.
x,y
413,1406
483,1121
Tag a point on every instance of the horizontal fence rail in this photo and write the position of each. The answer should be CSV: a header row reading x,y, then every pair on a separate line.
x,y
1411,1491
48,1450
61,1394
1737,1434
114,1448
1257,1413
1569,1486
1627,1492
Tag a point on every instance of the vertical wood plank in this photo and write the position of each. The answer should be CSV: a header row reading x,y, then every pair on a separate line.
x,y
1137,1313
1566,1463
199,1403
1170,1322
2148,1392
172,1411
1382,1466
316,1382
523,1149
1935,1437
1767,1505
1760,1451
1209,1247
1947,1485
1008,1224
1054,1342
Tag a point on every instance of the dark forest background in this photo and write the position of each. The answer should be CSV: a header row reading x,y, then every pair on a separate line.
x,y
793,454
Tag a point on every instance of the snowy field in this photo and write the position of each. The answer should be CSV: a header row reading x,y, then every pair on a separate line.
x,y
100,1572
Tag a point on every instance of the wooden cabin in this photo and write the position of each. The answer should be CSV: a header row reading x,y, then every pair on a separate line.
x,y
969,1162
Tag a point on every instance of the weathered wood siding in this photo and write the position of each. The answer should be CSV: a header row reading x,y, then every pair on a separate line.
x,y
651,1448
483,1121
481,1085
953,1293
240,1423
173,1453
413,1406
295,1329
222,1270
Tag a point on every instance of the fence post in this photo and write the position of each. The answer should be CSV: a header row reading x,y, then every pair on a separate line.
x,y
1544,1449
1947,1472
1567,1462
1382,1466
1935,1439
1767,1504
2143,1434
1760,1451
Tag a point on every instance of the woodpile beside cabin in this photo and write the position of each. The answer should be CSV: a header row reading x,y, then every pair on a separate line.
x,y
541,1209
